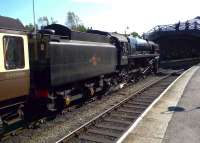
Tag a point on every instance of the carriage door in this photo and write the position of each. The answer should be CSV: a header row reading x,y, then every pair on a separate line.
x,y
14,73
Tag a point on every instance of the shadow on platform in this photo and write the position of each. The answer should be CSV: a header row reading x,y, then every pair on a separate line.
x,y
173,109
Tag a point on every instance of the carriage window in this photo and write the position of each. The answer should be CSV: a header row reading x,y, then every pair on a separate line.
x,y
13,52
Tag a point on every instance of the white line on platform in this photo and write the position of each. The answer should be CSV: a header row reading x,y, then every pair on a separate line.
x,y
121,139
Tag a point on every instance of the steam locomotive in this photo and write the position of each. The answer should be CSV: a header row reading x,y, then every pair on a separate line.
x,y
45,72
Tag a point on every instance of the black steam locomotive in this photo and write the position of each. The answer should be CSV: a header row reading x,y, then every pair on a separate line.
x,y
57,67
73,65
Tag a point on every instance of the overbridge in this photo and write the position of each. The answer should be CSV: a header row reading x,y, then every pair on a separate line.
x,y
177,41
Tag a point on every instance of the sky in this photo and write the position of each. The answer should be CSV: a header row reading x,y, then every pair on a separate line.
x,y
107,15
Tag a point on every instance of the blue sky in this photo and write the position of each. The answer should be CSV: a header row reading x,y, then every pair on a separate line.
x,y
108,15
57,9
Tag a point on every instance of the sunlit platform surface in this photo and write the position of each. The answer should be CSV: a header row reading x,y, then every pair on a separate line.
x,y
175,118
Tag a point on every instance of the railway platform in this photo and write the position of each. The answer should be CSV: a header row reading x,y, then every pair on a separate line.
x,y
174,117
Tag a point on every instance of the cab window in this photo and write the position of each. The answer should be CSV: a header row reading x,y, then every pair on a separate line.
x,y
13,52
124,47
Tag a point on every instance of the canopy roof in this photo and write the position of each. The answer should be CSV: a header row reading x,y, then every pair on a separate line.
x,y
11,24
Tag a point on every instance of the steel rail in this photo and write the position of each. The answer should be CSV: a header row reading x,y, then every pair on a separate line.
x,y
100,116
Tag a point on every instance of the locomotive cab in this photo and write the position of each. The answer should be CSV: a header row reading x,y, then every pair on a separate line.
x,y
122,45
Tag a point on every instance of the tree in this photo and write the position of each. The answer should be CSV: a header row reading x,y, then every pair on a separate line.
x,y
53,21
29,27
81,28
44,21
135,34
74,22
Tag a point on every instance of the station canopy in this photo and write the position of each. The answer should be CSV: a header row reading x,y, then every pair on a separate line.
x,y
188,25
11,24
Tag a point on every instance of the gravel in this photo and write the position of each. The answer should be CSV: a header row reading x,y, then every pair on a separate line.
x,y
53,130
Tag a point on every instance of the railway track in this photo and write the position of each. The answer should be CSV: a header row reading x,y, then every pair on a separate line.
x,y
110,125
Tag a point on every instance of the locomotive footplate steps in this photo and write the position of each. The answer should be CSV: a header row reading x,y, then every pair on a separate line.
x,y
116,120
173,117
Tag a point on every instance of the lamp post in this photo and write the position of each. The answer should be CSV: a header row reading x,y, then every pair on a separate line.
x,y
34,17
127,28
35,31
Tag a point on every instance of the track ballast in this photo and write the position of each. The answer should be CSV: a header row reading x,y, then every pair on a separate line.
x,y
109,126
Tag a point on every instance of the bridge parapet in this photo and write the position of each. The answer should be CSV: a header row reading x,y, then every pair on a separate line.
x,y
190,26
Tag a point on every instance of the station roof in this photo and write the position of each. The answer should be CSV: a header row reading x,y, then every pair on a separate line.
x,y
11,24
191,26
